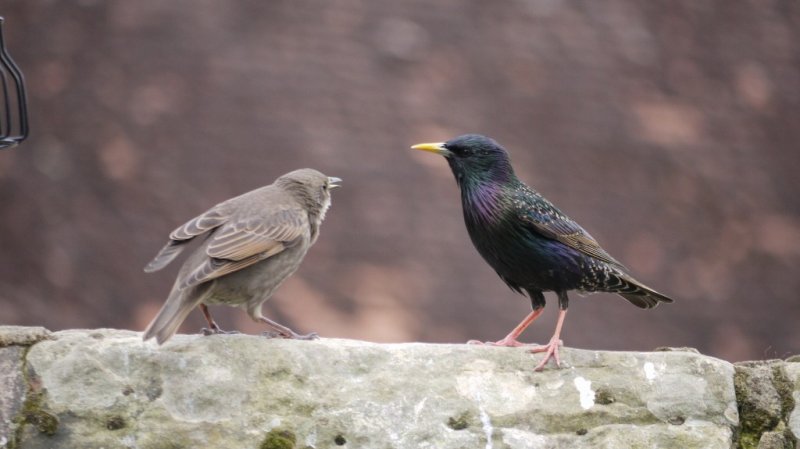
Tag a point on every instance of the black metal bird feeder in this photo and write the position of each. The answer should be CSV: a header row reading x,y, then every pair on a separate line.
x,y
13,102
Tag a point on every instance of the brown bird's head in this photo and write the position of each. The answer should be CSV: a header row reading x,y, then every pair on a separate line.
x,y
312,188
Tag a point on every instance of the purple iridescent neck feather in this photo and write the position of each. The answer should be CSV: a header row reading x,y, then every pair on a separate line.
x,y
482,202
482,191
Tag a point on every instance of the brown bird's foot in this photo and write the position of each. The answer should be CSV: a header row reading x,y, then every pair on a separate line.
x,y
291,336
551,352
310,336
213,328
281,331
216,330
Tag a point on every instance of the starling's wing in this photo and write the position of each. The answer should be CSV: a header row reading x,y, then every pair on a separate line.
x,y
550,222
241,243
201,224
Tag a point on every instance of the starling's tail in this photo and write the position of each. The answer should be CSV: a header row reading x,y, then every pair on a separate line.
x,y
176,308
637,293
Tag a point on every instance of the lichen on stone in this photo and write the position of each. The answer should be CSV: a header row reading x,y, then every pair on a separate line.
x,y
676,420
604,397
34,414
22,336
765,401
459,422
784,387
774,440
676,349
279,439
115,423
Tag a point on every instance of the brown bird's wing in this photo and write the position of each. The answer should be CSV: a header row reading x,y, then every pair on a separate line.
x,y
241,243
550,222
201,224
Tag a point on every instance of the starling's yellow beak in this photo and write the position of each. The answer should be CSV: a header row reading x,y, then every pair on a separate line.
x,y
437,148
332,182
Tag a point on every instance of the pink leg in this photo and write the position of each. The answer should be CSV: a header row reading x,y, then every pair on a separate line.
x,y
283,331
551,349
213,328
511,338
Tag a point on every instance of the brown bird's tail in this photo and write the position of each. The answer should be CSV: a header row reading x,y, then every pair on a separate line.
x,y
637,293
176,308
167,254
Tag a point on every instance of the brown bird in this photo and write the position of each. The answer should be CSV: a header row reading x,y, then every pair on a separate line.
x,y
253,243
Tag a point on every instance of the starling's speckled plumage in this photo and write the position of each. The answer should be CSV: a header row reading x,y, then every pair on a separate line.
x,y
253,242
532,245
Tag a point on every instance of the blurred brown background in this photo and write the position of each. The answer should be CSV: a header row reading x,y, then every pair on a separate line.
x,y
669,130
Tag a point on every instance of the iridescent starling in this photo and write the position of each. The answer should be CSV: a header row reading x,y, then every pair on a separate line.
x,y
533,246
253,242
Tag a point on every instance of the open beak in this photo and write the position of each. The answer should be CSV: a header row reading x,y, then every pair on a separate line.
x,y
332,182
437,148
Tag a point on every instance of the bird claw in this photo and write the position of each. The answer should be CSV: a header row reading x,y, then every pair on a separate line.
x,y
506,342
271,334
216,330
550,350
311,336
292,336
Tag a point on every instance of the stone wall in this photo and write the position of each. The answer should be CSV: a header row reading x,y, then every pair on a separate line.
x,y
107,389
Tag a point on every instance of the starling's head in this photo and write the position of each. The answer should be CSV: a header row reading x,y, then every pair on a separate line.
x,y
473,157
310,187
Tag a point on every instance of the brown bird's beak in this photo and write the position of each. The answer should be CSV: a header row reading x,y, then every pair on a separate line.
x,y
332,182
437,148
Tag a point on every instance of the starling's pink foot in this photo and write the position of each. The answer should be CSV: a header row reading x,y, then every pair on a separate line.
x,y
550,351
509,341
